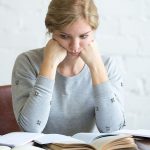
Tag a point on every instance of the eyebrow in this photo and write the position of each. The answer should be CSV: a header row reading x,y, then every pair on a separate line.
x,y
80,35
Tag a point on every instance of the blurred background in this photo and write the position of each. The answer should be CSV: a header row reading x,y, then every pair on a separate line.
x,y
124,33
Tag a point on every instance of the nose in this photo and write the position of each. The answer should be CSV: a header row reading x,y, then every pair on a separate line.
x,y
75,46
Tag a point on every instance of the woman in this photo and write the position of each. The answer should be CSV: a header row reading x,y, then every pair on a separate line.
x,y
67,86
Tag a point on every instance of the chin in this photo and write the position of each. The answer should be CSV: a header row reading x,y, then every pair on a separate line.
x,y
72,56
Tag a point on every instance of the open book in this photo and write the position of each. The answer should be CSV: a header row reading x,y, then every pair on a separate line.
x,y
110,142
79,141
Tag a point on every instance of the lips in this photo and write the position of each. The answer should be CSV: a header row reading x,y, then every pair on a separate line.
x,y
73,54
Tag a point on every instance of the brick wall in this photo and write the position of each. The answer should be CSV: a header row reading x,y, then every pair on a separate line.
x,y
124,33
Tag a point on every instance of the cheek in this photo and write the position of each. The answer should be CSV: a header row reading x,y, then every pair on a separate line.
x,y
63,43
85,43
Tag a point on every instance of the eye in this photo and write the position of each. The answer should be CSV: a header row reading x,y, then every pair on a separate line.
x,y
64,36
84,36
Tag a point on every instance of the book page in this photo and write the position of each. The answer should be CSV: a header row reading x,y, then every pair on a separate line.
x,y
113,141
71,147
18,138
4,148
139,132
27,147
86,137
57,138
89,137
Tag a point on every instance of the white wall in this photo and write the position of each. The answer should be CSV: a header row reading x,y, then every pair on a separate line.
x,y
124,33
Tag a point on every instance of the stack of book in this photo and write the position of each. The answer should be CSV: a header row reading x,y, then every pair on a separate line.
x,y
123,139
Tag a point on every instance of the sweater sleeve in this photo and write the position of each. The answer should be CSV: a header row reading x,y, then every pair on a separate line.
x,y
109,99
31,95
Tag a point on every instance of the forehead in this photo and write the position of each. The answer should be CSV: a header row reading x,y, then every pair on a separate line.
x,y
78,27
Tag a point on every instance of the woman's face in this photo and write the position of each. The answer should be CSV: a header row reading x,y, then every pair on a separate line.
x,y
74,37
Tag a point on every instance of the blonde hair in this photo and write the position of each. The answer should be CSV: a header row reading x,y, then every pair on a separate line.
x,y
64,12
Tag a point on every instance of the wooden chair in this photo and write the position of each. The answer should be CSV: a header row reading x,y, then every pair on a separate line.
x,y
7,119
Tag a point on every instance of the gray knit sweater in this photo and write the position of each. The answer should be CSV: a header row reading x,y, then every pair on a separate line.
x,y
66,105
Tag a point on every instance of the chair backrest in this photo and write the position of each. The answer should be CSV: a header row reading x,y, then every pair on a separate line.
x,y
7,119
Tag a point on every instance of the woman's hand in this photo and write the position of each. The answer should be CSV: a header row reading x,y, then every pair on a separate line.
x,y
92,58
90,55
53,55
